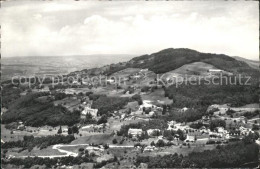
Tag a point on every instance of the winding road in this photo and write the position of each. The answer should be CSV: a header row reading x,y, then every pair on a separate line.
x,y
70,153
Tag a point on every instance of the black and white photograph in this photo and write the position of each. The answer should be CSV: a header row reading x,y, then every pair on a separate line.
x,y
129,84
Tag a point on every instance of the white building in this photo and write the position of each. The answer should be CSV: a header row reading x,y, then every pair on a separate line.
x,y
190,138
215,71
148,104
150,148
178,126
221,130
88,110
184,109
135,132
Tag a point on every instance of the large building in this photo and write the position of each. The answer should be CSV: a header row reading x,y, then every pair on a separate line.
x,y
88,110
135,132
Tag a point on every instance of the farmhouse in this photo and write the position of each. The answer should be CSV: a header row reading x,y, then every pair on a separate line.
x,y
178,126
88,110
150,148
147,104
135,132
245,131
190,138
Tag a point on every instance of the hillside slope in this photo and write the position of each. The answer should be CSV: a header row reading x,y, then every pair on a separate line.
x,y
171,59
252,63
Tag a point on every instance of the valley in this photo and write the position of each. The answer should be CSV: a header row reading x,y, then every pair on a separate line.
x,y
135,113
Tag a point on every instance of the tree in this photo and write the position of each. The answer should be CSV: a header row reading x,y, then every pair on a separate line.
x,y
60,130
103,119
250,138
130,135
75,129
106,146
217,123
164,109
188,145
160,143
114,141
70,131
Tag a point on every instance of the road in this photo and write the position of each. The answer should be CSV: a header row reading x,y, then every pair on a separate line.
x,y
70,153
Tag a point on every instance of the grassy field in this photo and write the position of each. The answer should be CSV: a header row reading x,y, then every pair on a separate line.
x,y
200,68
126,72
36,132
184,150
157,97
97,139
35,152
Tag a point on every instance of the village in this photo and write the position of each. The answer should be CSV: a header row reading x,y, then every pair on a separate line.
x,y
135,116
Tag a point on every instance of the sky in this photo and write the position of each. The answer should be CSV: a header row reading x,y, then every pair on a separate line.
x,y
57,28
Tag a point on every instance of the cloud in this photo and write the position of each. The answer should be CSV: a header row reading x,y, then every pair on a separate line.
x,y
67,28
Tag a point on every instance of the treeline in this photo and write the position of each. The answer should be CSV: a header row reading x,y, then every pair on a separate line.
x,y
232,155
201,95
106,105
250,115
48,162
29,142
186,116
9,94
34,113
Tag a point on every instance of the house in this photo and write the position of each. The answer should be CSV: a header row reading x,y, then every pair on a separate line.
x,y
227,136
190,138
88,110
23,93
135,132
143,70
258,141
178,126
21,127
205,118
69,91
184,109
75,82
150,148
203,129
137,76
221,130
146,104
151,113
215,135
244,131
